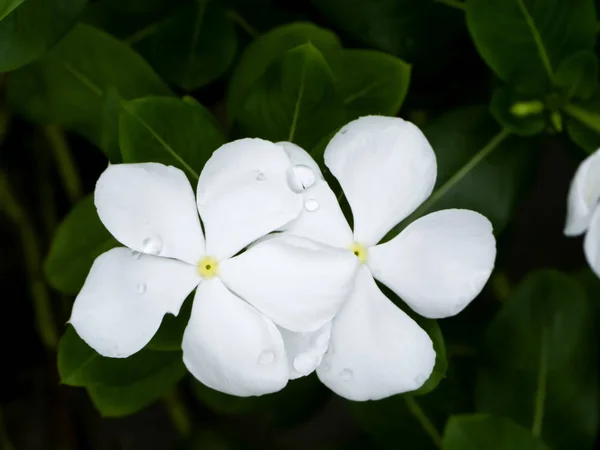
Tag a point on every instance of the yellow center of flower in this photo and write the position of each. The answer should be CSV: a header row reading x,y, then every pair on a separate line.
x,y
360,251
208,267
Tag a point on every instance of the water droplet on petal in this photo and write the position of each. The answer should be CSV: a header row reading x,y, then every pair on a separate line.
x,y
266,357
311,205
135,255
152,245
325,367
141,288
344,131
305,363
346,374
260,176
301,177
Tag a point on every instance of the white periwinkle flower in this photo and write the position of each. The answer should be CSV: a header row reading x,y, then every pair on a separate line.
x,y
437,265
583,211
251,311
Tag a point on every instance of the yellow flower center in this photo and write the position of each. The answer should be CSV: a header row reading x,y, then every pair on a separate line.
x,y
360,251
208,267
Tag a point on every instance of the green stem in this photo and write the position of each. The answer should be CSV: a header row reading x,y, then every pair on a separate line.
x,y
142,34
588,118
64,160
178,413
423,420
33,261
236,18
454,4
540,395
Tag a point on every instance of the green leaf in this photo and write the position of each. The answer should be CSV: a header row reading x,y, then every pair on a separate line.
x,y
578,75
192,47
400,27
118,386
484,432
265,50
583,124
294,101
371,82
109,131
68,84
504,108
170,131
541,362
29,28
524,41
78,241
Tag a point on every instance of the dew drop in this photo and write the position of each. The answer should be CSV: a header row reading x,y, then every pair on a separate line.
x,y
311,205
266,357
152,245
260,176
325,367
301,177
135,255
305,363
141,288
344,131
346,374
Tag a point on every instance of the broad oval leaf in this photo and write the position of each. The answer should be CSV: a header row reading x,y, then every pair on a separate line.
x,y
68,84
583,123
170,131
29,28
484,432
78,241
540,366
524,41
578,75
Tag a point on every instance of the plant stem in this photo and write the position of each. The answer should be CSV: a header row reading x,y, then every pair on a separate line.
x,y
540,395
454,4
32,255
64,160
235,17
423,420
178,413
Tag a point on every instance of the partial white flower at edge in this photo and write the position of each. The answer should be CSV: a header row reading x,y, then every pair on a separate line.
x,y
259,317
583,208
437,265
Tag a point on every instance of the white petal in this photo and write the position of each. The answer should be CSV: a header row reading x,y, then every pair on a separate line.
x,y
386,168
305,350
439,263
584,195
297,283
231,347
591,243
321,218
376,350
125,297
150,208
244,193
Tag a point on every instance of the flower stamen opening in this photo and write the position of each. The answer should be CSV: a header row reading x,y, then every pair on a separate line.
x,y
208,267
360,251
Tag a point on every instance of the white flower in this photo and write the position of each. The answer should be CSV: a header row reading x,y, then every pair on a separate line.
x,y
583,212
437,265
251,310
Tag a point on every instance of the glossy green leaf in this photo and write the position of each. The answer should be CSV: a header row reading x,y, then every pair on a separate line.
x,y
29,28
191,47
118,386
294,101
78,241
578,75
371,82
540,365
109,131
524,41
67,85
505,109
170,131
484,432
265,50
400,27
583,123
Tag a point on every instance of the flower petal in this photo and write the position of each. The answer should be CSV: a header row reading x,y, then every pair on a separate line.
x,y
376,349
231,347
299,284
149,207
584,195
321,218
243,194
386,168
305,350
591,243
125,297
439,263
